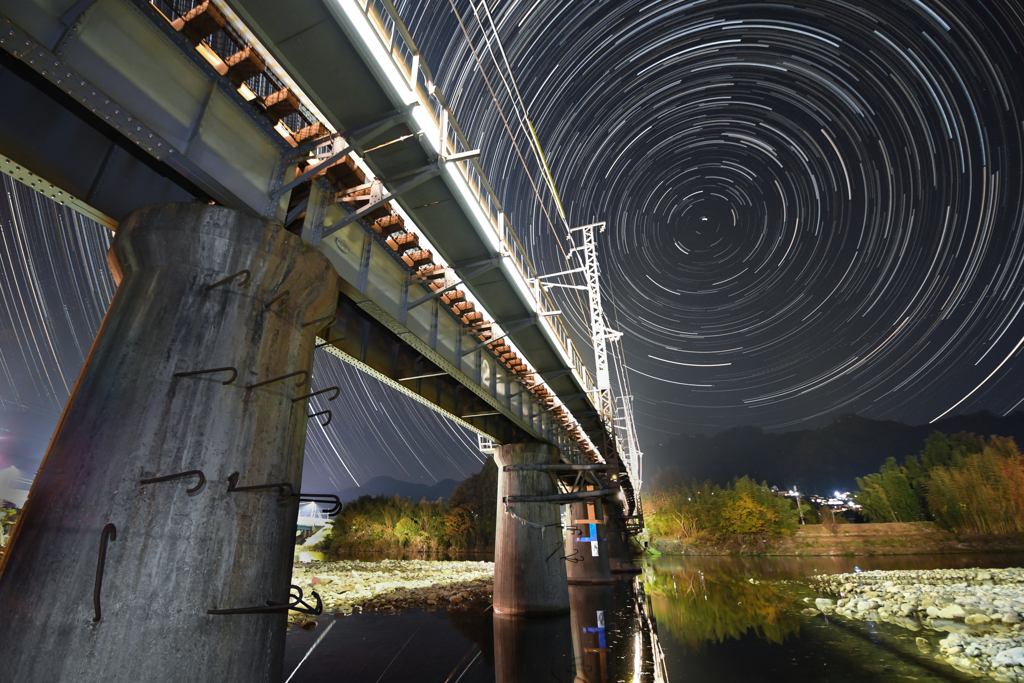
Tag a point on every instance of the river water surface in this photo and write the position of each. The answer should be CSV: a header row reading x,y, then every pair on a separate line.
x,y
686,619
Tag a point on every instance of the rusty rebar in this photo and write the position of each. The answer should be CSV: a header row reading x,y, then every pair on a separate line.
x,y
234,373
286,294
241,285
305,378
202,479
322,424
305,608
336,390
284,488
109,533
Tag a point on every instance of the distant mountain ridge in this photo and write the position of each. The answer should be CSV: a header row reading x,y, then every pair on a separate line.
x,y
388,486
816,460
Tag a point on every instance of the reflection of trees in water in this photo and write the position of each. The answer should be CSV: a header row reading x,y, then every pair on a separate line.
x,y
698,608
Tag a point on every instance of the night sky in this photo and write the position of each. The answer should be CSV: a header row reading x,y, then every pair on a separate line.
x,y
813,208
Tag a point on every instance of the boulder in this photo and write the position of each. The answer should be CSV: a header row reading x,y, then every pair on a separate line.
x,y
1012,657
953,611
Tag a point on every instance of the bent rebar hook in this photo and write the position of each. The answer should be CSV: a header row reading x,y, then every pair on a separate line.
x,y
109,533
285,489
208,371
202,479
297,600
336,390
325,423
305,378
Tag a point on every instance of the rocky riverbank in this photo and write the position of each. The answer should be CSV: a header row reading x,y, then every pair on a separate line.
x,y
351,586
981,609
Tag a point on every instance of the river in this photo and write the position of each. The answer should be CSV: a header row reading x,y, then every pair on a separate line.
x,y
686,619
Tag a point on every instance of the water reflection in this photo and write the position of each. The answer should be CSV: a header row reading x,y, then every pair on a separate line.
x,y
714,625
607,636
743,619
701,606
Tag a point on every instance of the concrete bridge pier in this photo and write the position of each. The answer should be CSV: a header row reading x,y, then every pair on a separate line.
x,y
586,546
619,554
529,571
143,516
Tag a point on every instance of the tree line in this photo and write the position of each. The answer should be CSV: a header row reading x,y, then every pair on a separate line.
x,y
743,511
965,483
465,522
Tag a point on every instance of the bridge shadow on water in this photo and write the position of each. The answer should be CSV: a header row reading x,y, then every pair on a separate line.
x,y
605,634
692,619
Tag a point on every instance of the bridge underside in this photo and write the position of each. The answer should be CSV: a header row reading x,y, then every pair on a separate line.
x,y
114,104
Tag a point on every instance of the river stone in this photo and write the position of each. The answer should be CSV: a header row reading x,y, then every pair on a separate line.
x,y
1012,657
865,605
809,612
824,604
923,645
976,619
953,611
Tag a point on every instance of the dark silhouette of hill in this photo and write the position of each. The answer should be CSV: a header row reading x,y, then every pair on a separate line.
x,y
386,486
816,460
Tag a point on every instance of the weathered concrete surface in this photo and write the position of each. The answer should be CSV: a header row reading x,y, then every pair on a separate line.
x,y
587,520
176,554
529,572
620,558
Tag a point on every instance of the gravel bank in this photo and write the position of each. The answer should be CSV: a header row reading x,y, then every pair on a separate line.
x,y
354,585
981,609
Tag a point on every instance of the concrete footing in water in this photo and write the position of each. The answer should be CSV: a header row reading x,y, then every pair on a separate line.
x,y
529,567
620,557
586,546
132,531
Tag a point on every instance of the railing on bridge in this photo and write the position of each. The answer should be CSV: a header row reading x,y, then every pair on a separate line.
x,y
395,38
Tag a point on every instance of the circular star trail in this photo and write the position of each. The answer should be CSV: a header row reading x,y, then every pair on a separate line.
x,y
814,207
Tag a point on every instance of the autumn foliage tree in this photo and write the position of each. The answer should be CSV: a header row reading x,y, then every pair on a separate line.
x,y
744,511
965,483
388,523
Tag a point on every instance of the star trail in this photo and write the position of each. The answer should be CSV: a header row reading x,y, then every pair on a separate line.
x,y
815,207
55,287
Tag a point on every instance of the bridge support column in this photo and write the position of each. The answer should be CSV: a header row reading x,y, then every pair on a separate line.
x,y
109,579
620,557
529,572
586,547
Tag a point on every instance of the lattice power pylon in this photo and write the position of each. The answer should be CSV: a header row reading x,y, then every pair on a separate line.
x,y
600,333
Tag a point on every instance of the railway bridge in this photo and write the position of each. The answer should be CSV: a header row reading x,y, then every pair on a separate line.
x,y
280,178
